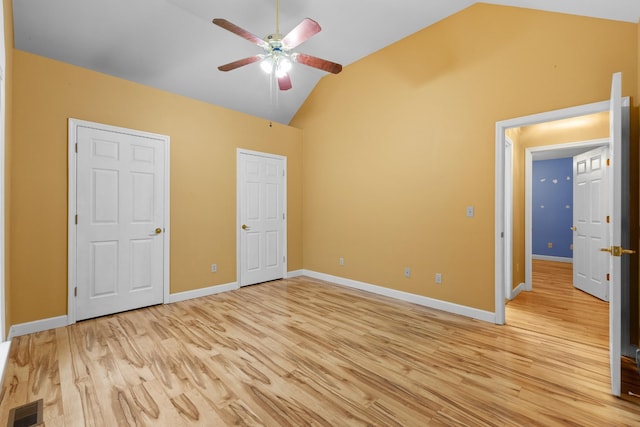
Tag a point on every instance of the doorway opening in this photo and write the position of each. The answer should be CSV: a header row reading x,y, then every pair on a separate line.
x,y
506,186
547,152
617,216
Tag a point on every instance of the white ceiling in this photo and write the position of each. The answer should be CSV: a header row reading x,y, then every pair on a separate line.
x,y
172,44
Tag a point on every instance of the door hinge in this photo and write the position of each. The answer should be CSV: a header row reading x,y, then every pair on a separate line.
x,y
76,147
76,219
608,162
608,277
608,219
283,215
282,172
284,259
75,291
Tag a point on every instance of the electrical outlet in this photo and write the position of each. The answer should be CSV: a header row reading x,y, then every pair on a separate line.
x,y
341,261
407,272
549,245
214,268
438,278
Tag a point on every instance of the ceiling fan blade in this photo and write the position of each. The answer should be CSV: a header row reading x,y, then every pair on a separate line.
x,y
300,34
240,32
240,63
321,64
284,82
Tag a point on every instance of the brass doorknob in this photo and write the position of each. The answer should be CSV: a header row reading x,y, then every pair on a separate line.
x,y
617,251
574,228
158,230
245,227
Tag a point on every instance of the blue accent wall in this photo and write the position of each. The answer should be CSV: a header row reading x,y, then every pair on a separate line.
x,y
552,207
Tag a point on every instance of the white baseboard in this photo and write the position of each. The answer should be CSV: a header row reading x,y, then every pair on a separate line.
x,y
295,273
203,292
521,287
37,326
57,322
4,357
449,307
552,258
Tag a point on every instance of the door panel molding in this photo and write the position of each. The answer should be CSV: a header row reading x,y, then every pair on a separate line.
x,y
74,125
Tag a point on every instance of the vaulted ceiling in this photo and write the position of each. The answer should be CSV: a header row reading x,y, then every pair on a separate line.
x,y
172,44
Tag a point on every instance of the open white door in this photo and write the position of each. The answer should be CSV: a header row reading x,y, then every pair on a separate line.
x,y
615,231
590,230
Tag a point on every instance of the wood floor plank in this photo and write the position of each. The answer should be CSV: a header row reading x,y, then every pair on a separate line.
x,y
305,352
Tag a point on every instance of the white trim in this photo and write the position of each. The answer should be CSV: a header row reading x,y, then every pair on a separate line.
x,y
508,218
528,218
295,273
71,226
552,258
239,152
5,347
203,292
500,177
516,291
37,326
446,306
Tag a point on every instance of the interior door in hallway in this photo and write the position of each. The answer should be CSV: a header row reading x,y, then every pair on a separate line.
x,y
261,216
120,221
590,209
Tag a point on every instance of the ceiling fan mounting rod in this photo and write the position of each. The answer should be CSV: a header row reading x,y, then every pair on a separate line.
x,y
277,16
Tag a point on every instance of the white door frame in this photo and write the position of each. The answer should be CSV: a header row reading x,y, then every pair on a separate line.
x,y
501,256
239,152
508,218
72,250
537,153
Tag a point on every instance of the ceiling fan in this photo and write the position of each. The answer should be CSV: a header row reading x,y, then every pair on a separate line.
x,y
278,50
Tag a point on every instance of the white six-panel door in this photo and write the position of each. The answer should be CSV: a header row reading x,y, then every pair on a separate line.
x,y
615,230
261,194
590,210
120,202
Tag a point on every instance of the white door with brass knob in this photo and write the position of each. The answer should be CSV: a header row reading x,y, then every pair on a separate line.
x,y
120,232
615,246
261,217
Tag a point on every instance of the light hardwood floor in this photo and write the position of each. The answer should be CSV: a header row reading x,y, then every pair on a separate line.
x,y
303,352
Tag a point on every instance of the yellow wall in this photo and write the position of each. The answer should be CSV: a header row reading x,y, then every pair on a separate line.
x,y
8,137
402,141
204,139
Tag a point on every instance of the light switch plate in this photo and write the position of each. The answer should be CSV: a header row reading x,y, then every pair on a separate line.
x,y
470,211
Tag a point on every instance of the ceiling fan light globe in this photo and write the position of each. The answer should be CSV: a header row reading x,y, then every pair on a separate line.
x,y
267,65
284,66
